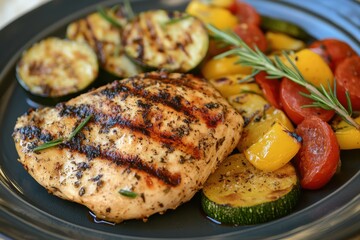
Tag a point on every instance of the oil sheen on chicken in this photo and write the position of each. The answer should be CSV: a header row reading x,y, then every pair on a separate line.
x,y
151,143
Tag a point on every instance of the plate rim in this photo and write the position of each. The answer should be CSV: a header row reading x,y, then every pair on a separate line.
x,y
354,203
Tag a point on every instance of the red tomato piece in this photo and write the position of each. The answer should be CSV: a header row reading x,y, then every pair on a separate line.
x,y
270,88
292,103
347,77
319,155
333,51
245,13
251,35
215,48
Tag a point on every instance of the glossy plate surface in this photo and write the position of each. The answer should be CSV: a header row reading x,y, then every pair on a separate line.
x,y
26,209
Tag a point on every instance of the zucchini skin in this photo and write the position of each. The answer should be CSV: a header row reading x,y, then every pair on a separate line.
x,y
291,29
237,193
159,39
251,215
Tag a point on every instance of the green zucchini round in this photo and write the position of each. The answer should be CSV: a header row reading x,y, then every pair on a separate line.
x,y
55,70
239,194
159,39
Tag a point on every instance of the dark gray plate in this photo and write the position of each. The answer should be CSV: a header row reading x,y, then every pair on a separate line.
x,y
27,210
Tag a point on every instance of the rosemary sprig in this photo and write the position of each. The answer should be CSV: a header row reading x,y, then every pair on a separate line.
x,y
323,98
178,19
50,144
128,9
113,21
58,141
250,77
102,12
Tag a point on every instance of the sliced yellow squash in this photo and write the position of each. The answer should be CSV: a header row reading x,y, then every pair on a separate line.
x,y
215,68
249,105
230,85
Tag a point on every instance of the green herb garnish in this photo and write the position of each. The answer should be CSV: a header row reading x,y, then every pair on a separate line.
x,y
128,193
322,97
102,12
248,78
58,141
50,144
128,9
249,92
178,19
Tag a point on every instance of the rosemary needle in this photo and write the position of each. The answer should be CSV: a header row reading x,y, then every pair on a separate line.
x,y
58,141
322,97
102,12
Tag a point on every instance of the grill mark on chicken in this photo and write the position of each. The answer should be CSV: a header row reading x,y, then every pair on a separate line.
x,y
91,152
132,162
135,162
108,121
177,102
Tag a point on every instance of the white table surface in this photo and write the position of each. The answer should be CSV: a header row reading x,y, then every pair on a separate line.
x,y
12,9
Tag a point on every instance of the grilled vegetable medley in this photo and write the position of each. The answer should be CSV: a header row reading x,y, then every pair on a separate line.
x,y
290,140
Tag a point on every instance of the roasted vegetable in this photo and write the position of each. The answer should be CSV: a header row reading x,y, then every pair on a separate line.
x,y
333,51
282,26
238,193
313,67
274,149
217,16
348,137
174,41
319,156
54,69
231,85
215,68
347,76
252,36
281,41
260,125
292,102
104,37
249,105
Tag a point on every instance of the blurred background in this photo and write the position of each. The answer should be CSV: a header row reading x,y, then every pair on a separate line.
x,y
12,9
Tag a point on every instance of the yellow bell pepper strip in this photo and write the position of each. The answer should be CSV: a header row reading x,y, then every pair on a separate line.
x,y
230,85
249,105
313,67
215,68
260,125
274,149
217,16
347,136
281,41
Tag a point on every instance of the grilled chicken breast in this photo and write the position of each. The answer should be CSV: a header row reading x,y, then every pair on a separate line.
x,y
151,143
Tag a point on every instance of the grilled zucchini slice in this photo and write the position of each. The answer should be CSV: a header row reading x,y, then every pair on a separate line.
x,y
159,39
55,70
238,193
104,37
282,26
